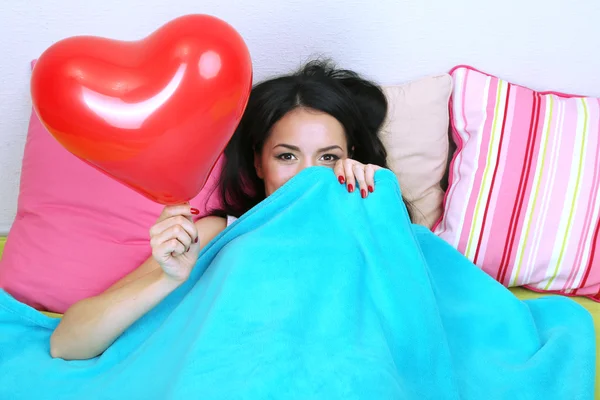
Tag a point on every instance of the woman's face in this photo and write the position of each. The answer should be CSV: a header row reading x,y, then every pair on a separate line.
x,y
302,138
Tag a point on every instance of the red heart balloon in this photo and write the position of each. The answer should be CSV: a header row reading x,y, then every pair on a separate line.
x,y
156,113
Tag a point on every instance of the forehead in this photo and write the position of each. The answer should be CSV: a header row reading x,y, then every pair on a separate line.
x,y
306,127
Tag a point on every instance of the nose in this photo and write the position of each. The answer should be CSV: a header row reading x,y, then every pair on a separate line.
x,y
306,163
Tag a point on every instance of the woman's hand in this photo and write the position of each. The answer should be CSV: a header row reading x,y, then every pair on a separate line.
x,y
91,325
356,175
174,240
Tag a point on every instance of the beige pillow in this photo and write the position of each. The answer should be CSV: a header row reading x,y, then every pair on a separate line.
x,y
415,135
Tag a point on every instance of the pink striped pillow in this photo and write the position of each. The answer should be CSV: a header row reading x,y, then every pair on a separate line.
x,y
523,201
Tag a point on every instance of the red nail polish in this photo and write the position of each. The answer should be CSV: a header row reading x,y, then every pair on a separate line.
x,y
363,193
196,240
194,211
371,189
350,188
341,179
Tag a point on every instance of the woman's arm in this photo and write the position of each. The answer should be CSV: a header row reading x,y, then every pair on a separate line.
x,y
90,326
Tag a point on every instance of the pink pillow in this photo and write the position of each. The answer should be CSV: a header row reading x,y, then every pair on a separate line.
x,y
523,201
77,231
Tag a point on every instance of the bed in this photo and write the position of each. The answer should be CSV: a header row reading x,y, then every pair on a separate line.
x,y
591,306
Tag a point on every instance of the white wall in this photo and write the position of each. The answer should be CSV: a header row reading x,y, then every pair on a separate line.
x,y
549,44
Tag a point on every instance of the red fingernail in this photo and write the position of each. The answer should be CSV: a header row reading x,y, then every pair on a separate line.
x,y
363,193
350,188
371,189
341,179
196,240
194,211
188,249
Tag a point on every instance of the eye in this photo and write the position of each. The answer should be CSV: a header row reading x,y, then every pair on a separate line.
x,y
286,157
329,157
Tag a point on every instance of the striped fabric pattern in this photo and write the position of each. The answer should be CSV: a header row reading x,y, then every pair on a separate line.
x,y
523,201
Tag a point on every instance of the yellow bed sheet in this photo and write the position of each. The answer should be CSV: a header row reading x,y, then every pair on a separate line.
x,y
591,306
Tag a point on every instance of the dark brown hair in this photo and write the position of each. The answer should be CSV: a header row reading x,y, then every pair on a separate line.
x,y
359,105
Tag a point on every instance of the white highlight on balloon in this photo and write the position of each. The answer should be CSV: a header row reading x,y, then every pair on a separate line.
x,y
209,64
125,115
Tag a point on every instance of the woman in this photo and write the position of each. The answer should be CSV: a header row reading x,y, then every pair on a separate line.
x,y
319,116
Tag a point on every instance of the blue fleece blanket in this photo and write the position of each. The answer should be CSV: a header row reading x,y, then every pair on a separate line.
x,y
318,294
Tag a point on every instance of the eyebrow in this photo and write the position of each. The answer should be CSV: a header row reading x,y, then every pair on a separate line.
x,y
296,148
